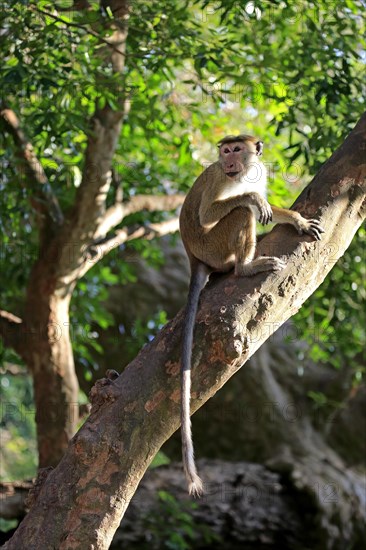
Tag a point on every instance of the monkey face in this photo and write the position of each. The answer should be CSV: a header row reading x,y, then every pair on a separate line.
x,y
234,157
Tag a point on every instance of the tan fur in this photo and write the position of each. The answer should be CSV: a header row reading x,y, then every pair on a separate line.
x,y
218,229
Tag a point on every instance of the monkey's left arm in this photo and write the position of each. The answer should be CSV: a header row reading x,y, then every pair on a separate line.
x,y
311,227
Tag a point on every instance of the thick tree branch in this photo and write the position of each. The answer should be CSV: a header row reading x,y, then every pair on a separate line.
x,y
43,200
133,415
94,252
112,217
141,232
97,250
152,203
11,331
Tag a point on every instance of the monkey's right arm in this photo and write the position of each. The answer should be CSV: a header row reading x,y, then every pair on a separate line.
x,y
210,214
303,225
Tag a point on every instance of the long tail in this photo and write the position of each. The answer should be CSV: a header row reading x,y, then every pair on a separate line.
x,y
199,276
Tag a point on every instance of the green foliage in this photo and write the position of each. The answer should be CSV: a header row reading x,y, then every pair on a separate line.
x,y
87,313
173,527
6,525
18,456
145,331
160,459
333,320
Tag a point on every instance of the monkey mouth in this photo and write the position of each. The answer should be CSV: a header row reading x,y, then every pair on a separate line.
x,y
232,174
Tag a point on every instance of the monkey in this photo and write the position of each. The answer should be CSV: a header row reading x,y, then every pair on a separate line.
x,y
218,229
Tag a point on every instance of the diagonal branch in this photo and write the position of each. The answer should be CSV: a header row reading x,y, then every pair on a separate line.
x,y
152,203
43,200
100,248
92,253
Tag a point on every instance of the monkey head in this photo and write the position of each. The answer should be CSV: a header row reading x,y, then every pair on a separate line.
x,y
236,152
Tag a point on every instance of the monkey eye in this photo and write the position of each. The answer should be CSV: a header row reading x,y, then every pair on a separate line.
x,y
226,150
237,149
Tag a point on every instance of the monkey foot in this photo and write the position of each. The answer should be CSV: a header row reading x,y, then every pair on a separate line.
x,y
263,263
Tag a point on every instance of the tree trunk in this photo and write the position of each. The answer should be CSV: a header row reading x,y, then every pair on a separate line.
x,y
63,241
83,500
50,359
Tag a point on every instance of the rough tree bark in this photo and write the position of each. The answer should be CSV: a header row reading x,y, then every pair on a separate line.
x,y
69,245
83,500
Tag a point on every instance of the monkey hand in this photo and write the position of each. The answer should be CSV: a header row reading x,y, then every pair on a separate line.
x,y
311,227
264,209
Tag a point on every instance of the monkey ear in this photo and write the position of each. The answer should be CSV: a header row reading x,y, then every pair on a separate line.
x,y
259,148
